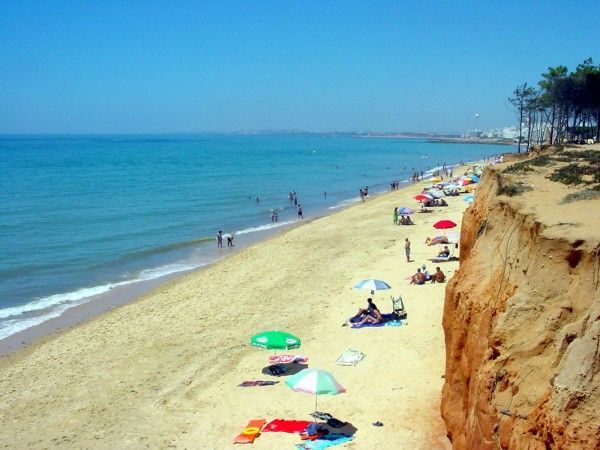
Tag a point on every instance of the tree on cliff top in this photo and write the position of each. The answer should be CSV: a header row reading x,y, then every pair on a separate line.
x,y
567,107
522,95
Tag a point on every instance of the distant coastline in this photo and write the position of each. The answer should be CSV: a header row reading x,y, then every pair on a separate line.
x,y
436,138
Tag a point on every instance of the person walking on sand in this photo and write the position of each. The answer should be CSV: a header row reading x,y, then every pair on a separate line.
x,y
220,239
407,249
395,215
300,216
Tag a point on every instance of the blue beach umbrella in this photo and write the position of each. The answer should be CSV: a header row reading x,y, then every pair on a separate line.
x,y
475,178
405,210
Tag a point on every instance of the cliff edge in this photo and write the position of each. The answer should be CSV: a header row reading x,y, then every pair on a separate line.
x,y
522,314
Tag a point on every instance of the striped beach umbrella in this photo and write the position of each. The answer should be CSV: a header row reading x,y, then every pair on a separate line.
x,y
315,381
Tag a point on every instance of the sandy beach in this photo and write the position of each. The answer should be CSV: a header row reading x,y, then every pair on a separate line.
x,y
163,370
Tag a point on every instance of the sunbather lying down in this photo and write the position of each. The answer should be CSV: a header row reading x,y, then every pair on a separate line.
x,y
437,240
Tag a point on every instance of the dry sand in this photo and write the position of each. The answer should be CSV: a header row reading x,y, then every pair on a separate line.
x,y
163,371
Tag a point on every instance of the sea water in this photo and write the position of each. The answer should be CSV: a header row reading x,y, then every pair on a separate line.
x,y
80,215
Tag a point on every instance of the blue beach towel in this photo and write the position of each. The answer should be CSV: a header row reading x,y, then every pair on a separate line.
x,y
328,440
389,320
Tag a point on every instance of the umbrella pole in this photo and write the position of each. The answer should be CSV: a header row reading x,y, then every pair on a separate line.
x,y
316,397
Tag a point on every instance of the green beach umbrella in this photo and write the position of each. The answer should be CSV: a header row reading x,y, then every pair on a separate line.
x,y
275,340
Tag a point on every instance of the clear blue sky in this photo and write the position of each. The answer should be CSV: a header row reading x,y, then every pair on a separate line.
x,y
174,66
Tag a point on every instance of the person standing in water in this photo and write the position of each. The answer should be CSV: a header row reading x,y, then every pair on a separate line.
x,y
220,239
300,215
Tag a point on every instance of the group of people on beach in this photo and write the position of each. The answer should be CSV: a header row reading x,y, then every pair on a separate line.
x,y
402,219
422,276
220,237
293,197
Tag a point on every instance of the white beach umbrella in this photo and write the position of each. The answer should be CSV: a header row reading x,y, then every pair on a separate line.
x,y
371,284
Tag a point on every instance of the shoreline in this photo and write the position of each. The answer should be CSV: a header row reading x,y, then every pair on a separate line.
x,y
95,305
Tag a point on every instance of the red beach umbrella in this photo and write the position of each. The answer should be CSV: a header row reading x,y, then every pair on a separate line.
x,y
444,224
422,197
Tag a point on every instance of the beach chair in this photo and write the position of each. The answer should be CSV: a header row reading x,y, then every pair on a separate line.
x,y
398,307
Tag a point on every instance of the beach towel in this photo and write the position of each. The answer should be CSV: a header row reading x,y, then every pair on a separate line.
x,y
287,426
388,320
288,359
350,358
250,433
251,383
327,440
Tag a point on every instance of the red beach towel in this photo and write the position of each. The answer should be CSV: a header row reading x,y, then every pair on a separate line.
x,y
287,426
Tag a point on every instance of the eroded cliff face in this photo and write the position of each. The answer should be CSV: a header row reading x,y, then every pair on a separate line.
x,y
522,326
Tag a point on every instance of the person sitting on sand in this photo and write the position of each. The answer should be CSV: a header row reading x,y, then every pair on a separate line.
x,y
373,317
443,202
444,253
418,278
409,221
425,273
369,309
438,276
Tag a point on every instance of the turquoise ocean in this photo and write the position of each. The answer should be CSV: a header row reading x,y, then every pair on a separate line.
x,y
80,215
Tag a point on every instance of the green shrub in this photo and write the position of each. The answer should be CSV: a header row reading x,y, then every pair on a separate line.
x,y
588,194
570,174
512,189
525,166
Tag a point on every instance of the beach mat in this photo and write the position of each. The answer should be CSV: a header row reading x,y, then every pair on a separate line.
x,y
388,320
250,433
325,441
350,358
287,426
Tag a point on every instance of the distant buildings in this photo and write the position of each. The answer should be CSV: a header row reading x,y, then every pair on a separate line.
x,y
505,134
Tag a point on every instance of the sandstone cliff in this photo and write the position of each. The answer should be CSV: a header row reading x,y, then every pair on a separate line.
x,y
522,318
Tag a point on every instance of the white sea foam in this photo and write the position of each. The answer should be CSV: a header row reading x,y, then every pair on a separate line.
x,y
46,308
268,226
169,269
345,203
58,299
12,326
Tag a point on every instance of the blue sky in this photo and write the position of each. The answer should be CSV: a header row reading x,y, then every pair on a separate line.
x,y
176,66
